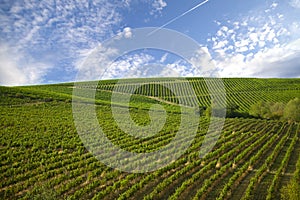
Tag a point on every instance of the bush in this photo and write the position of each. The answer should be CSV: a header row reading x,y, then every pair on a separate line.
x,y
261,109
231,111
271,110
292,110
277,110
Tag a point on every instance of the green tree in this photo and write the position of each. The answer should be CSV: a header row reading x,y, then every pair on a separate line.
x,y
218,111
292,110
261,109
231,109
277,110
267,110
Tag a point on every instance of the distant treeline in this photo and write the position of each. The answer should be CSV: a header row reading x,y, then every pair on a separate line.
x,y
277,110
261,109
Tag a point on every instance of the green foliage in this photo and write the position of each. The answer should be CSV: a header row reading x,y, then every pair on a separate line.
x,y
43,157
231,110
271,110
261,109
292,110
277,110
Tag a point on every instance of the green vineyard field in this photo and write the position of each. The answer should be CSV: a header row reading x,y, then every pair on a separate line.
x,y
42,155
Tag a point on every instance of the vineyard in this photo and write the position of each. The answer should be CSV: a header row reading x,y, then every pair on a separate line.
x,y
42,155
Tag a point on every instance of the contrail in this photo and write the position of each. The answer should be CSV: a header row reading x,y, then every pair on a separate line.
x,y
174,19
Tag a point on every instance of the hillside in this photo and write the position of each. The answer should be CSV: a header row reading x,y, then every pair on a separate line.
x,y
42,155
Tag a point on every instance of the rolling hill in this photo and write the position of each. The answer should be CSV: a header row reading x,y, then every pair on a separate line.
x,y
42,154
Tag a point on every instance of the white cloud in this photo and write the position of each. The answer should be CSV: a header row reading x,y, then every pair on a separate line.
x,y
10,74
127,32
241,43
130,66
202,63
177,69
157,6
242,49
295,3
274,5
136,64
93,63
217,22
252,33
279,61
13,71
126,2
267,45
294,45
271,36
49,33
254,37
220,44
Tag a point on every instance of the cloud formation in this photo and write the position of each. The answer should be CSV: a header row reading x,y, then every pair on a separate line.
x,y
127,32
258,45
14,70
40,39
40,33
295,3
50,33
158,6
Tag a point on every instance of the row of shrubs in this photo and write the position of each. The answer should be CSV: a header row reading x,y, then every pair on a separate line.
x,y
262,109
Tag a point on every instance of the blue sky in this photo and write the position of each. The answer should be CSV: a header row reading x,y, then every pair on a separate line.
x,y
48,41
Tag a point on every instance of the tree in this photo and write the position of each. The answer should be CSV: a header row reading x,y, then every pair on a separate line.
x,y
231,109
219,111
261,109
277,110
215,112
292,110
267,110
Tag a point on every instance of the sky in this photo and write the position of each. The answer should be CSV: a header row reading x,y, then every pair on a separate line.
x,y
50,41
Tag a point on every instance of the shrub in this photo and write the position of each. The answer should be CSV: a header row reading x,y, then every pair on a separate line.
x,y
292,110
271,110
